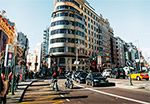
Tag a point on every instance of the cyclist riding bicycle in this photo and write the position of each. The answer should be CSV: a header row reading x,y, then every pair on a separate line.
x,y
54,77
54,81
69,82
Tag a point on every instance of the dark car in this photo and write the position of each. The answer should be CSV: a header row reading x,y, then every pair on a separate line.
x,y
80,77
95,79
118,73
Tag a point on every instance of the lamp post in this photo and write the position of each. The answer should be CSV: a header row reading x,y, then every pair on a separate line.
x,y
139,56
77,57
129,64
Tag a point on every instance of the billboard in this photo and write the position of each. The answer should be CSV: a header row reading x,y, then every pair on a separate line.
x,y
9,55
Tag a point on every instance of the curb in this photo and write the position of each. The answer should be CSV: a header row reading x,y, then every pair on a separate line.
x,y
20,100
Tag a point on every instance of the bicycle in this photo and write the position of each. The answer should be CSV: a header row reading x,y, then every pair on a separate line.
x,y
55,85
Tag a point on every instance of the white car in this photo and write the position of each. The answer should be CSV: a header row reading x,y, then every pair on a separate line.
x,y
107,73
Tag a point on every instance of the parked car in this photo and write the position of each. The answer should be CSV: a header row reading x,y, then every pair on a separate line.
x,y
106,72
80,77
138,75
118,73
95,79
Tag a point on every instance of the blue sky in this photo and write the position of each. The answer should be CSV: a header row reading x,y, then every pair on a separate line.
x,y
130,19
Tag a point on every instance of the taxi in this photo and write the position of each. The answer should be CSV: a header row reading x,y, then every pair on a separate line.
x,y
138,75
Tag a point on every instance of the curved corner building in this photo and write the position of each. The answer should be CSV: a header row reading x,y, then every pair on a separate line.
x,y
75,34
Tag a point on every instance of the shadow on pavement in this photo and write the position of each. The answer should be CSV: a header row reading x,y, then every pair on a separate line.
x,y
77,88
22,84
111,84
20,88
72,97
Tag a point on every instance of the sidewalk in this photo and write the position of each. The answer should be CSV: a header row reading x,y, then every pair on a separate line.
x,y
19,93
124,83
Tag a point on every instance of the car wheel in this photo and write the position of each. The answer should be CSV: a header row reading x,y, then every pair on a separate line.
x,y
116,77
71,86
79,81
138,78
147,79
87,83
93,85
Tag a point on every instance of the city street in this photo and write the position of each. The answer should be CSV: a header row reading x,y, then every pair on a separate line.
x,y
101,47
41,92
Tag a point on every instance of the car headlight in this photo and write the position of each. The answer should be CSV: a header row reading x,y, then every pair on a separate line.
x,y
95,80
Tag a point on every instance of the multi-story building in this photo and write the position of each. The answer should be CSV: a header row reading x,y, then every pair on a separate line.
x,y
22,45
45,45
133,55
113,52
77,32
7,33
120,48
35,58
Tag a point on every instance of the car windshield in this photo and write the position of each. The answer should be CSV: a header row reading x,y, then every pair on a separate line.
x,y
138,71
96,75
142,71
83,74
108,70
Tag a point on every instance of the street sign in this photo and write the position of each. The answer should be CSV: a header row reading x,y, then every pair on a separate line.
x,y
129,63
9,55
99,60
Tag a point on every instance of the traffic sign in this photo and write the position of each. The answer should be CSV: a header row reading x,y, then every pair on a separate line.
x,y
9,55
129,63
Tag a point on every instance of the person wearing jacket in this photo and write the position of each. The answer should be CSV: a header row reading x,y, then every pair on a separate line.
x,y
4,89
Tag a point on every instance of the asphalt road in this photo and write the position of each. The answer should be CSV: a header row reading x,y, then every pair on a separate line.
x,y
41,93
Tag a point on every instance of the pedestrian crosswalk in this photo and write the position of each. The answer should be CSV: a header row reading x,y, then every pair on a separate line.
x,y
41,93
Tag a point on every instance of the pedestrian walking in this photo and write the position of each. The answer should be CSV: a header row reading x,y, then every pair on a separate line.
x,y
4,88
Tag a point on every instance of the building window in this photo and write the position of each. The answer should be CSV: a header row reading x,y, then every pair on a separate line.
x,y
62,61
88,19
88,25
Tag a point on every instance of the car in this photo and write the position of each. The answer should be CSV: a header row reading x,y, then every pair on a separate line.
x,y
118,73
96,79
80,77
138,75
107,73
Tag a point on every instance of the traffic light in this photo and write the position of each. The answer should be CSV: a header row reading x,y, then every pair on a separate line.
x,y
94,65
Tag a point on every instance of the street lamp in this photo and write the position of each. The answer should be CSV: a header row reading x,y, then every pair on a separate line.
x,y
129,64
77,58
139,56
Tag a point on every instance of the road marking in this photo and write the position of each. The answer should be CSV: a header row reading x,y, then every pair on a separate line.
x,y
126,98
42,96
66,99
45,97
53,102
35,93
